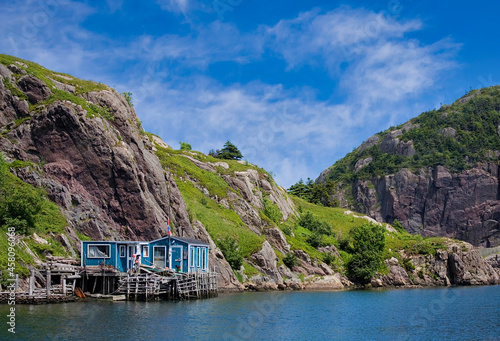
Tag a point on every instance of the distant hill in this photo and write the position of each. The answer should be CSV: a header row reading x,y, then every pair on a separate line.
x,y
437,173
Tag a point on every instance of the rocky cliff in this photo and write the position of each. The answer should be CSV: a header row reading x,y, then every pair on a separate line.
x,y
436,174
83,144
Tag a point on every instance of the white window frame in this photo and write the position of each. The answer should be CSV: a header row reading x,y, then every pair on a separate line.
x,y
123,251
204,259
164,252
105,245
198,254
145,248
192,253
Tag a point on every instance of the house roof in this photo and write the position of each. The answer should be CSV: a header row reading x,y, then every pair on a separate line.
x,y
182,239
191,240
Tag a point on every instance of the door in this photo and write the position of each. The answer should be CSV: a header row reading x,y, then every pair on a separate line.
x,y
159,256
130,258
177,258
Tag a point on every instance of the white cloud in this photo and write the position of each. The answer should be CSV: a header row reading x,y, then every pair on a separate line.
x,y
176,6
333,37
282,128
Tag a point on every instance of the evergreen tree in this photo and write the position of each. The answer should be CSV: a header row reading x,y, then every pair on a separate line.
x,y
230,152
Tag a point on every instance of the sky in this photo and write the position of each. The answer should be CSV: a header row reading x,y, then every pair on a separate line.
x,y
295,85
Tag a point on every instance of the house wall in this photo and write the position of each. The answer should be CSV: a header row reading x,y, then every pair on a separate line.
x,y
111,260
188,256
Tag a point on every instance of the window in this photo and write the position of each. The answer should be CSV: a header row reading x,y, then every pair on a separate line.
x,y
192,257
99,251
159,256
199,256
204,259
122,251
145,251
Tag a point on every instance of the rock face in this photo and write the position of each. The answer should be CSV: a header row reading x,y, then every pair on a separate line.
x,y
101,172
460,264
436,203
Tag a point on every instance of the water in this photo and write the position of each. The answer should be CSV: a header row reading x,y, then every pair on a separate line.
x,y
415,314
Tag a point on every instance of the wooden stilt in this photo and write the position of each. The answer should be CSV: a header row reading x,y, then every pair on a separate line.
x,y
31,283
49,279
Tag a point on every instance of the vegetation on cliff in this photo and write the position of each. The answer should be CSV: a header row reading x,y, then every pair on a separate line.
x,y
28,210
456,136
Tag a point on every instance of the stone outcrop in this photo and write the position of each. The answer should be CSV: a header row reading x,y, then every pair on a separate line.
x,y
460,264
266,261
102,172
434,202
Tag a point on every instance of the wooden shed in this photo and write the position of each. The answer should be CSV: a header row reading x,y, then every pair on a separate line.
x,y
185,255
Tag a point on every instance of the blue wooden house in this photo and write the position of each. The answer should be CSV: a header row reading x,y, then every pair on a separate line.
x,y
185,255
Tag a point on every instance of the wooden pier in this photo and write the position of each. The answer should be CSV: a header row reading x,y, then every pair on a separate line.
x,y
175,286
55,282
58,281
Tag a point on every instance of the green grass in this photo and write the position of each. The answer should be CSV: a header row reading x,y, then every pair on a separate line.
x,y
45,75
219,221
412,244
13,90
82,237
341,223
81,86
250,270
180,166
32,211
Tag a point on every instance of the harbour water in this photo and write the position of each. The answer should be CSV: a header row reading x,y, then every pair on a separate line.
x,y
461,313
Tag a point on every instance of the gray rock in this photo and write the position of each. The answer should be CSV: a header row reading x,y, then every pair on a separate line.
x,y
362,163
278,239
448,132
370,142
34,88
267,260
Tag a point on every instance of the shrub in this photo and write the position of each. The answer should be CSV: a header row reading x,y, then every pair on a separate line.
x,y
408,265
231,252
397,225
287,229
128,97
316,239
329,258
272,211
368,242
312,223
290,260
185,145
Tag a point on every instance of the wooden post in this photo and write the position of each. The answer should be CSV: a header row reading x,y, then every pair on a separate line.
x,y
63,282
128,286
31,282
48,282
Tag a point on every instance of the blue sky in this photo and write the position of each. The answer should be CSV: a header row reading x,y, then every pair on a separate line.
x,y
294,84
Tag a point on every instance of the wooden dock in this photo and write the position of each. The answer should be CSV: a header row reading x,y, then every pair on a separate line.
x,y
54,282
176,286
60,281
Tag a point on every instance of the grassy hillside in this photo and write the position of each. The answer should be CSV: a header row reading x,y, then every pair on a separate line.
x,y
315,227
28,210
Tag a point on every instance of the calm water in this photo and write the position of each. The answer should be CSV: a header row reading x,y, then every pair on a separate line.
x,y
416,314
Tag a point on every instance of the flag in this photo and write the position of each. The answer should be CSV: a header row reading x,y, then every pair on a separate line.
x,y
168,226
